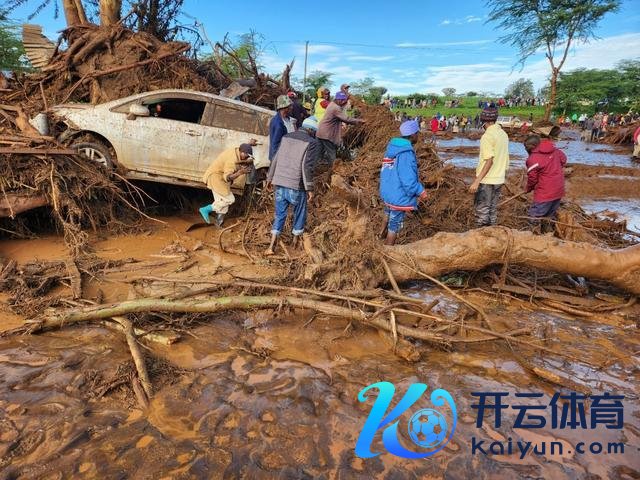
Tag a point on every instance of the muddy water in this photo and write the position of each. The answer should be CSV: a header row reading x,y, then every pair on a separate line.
x,y
264,397
576,151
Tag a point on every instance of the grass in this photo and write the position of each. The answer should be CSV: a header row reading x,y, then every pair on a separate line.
x,y
469,106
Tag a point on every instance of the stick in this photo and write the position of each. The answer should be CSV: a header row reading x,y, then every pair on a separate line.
x,y
391,278
138,359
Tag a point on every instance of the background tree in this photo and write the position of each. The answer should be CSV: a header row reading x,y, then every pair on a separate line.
x,y
471,93
522,87
553,25
315,80
368,90
581,90
12,56
449,92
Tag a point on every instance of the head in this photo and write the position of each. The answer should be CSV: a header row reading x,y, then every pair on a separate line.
x,y
531,142
310,125
323,92
341,98
489,116
283,104
246,151
410,130
345,88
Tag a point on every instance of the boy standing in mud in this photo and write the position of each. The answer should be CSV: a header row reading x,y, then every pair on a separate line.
x,y
545,177
400,187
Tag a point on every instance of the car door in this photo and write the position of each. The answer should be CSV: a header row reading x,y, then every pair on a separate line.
x,y
228,125
169,141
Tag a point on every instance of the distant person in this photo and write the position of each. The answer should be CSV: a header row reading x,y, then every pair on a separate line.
x,y
400,187
280,124
330,129
219,177
322,102
636,143
545,177
298,111
491,170
595,129
291,173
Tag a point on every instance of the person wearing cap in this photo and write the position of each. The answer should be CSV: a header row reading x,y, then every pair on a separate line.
x,y
330,129
280,124
344,88
291,173
322,102
400,187
491,170
545,177
222,172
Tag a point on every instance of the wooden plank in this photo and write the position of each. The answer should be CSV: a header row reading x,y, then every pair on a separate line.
x,y
38,151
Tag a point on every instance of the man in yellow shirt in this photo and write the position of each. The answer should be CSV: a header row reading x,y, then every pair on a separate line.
x,y
492,168
222,172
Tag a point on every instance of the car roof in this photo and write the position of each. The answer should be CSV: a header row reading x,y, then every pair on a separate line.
x,y
187,93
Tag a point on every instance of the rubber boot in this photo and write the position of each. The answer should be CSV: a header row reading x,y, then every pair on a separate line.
x,y
219,219
205,212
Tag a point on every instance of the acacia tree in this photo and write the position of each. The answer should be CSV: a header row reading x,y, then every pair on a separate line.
x,y
552,25
523,87
449,91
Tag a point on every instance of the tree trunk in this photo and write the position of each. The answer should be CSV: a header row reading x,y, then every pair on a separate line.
x,y
74,12
476,249
552,94
110,12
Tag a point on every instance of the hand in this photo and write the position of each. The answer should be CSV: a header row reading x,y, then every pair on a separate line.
x,y
253,142
309,196
244,170
473,188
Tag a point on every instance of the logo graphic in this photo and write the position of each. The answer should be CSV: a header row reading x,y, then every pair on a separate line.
x,y
427,427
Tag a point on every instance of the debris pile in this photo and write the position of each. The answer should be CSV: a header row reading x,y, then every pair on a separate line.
x,y
621,135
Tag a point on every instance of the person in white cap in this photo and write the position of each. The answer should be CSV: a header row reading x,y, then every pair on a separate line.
x,y
291,172
400,187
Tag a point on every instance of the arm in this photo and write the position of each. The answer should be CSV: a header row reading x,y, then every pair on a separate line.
x,y
309,163
340,115
487,153
533,173
272,168
276,131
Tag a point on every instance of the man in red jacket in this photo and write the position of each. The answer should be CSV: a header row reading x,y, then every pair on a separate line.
x,y
545,177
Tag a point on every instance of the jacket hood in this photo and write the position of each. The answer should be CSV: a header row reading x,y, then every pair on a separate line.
x,y
546,146
398,145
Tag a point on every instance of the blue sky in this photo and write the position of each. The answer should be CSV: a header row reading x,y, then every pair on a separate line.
x,y
407,46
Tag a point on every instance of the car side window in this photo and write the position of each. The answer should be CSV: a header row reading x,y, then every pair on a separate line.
x,y
243,120
180,109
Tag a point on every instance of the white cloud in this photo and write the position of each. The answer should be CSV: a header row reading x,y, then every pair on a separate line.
x,y
461,21
445,22
316,49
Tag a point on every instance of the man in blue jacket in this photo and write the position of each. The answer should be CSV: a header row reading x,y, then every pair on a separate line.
x,y
400,187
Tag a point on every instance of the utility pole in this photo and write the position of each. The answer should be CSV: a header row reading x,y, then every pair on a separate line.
x,y
304,80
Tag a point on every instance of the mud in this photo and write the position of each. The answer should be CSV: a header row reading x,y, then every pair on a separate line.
x,y
273,394
264,397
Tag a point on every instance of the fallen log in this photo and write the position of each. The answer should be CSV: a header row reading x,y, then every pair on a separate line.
x,y
477,249
12,204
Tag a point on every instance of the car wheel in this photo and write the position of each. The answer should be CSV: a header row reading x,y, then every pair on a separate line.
x,y
95,152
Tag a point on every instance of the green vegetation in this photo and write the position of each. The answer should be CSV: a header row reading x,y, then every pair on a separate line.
x,y
617,90
12,56
368,90
469,106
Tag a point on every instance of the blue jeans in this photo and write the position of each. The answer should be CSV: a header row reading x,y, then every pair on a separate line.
x,y
286,197
396,218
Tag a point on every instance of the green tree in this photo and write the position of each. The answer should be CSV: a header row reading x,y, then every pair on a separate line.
x,y
368,90
471,93
522,87
315,80
12,56
449,92
552,25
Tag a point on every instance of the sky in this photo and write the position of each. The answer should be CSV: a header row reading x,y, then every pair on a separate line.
x,y
406,46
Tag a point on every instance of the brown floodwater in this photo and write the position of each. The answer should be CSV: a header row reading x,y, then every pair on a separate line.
x,y
275,394
262,396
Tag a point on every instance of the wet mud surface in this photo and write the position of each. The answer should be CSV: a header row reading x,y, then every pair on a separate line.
x,y
274,394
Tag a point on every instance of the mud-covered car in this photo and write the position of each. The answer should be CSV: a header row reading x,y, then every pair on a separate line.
x,y
168,136
512,122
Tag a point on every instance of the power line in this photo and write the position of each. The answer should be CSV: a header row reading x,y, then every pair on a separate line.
x,y
426,46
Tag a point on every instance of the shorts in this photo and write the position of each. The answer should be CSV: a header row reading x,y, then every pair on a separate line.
x,y
396,219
